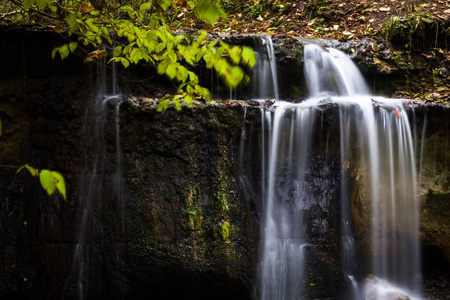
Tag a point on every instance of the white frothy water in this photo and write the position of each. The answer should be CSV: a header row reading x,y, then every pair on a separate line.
x,y
330,72
284,201
264,74
386,155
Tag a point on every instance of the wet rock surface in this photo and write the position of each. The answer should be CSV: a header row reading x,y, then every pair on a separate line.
x,y
192,213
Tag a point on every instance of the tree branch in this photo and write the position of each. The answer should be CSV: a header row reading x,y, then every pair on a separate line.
x,y
9,14
35,10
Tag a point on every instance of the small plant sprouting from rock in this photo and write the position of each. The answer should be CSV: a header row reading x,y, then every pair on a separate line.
x,y
225,230
194,211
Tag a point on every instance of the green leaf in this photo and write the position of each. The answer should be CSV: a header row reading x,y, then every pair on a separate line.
x,y
48,181
136,55
117,51
162,34
71,20
192,210
41,4
30,169
182,74
177,40
177,104
27,4
212,44
105,32
209,60
237,73
64,51
188,99
202,36
163,66
164,4
235,54
53,8
203,92
171,70
125,62
127,48
201,52
145,6
72,46
221,66
163,105
160,47
193,77
128,9
60,185
248,56
208,11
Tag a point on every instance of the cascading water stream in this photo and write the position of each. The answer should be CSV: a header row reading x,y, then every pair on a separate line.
x,y
102,188
374,141
264,74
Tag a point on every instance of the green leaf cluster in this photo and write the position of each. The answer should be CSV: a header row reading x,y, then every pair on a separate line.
x,y
411,29
50,180
140,33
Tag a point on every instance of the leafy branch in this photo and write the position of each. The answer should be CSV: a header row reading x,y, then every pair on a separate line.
x,y
50,180
141,34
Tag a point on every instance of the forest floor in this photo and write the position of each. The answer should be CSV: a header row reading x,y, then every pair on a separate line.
x,y
321,18
417,32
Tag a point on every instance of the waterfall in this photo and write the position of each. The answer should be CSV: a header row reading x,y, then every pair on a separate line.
x,y
376,152
101,199
330,72
264,74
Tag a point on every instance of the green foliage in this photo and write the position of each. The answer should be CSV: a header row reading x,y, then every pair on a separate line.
x,y
50,180
225,230
258,7
411,29
209,11
194,210
64,50
140,33
435,73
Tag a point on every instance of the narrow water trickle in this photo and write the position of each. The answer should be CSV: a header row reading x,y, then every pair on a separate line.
x,y
376,144
101,196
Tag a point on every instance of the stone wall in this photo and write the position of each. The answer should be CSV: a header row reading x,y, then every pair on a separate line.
x,y
188,219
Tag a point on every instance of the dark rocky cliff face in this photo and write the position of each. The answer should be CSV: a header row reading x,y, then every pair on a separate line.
x,y
189,222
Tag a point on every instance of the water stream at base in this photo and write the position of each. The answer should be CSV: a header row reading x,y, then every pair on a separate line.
x,y
384,158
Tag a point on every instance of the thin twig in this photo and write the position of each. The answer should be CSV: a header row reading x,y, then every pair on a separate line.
x,y
9,166
9,14
35,10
